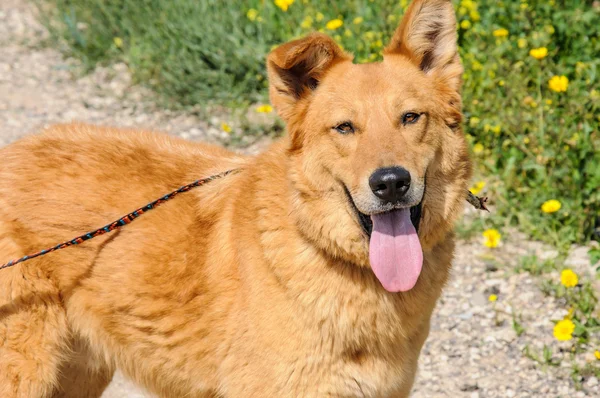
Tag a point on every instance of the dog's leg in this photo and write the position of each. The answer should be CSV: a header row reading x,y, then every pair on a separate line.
x,y
83,374
416,343
33,328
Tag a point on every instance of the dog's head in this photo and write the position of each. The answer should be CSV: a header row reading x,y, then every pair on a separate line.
x,y
376,149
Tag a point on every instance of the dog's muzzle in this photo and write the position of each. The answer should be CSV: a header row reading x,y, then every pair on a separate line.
x,y
367,224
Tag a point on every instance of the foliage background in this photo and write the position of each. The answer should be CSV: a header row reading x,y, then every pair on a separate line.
x,y
531,143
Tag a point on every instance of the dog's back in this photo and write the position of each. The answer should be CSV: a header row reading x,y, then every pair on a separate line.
x,y
65,182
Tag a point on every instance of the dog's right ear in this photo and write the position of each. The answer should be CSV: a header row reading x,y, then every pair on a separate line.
x,y
296,67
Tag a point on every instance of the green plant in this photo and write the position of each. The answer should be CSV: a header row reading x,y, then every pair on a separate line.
x,y
594,254
547,357
535,266
517,326
532,140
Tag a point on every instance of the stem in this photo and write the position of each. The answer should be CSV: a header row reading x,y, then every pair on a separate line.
x,y
541,127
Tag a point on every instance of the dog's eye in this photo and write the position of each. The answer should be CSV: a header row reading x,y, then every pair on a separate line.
x,y
345,128
410,118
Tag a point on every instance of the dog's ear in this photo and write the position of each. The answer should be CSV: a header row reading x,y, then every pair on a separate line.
x,y
427,36
296,67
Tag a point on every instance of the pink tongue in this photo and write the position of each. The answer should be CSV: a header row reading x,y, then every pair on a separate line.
x,y
395,251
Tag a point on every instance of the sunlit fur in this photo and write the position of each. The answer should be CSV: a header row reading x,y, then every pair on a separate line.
x,y
258,284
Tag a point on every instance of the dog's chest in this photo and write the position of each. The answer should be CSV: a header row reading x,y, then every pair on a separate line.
x,y
355,373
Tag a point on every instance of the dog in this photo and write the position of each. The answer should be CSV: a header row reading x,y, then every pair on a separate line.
x,y
311,272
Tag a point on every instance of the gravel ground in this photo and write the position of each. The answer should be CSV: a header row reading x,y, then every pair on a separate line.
x,y
472,351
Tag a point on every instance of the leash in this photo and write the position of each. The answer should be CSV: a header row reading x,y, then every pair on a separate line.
x,y
121,221
475,201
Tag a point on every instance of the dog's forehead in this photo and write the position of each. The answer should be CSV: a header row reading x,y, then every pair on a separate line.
x,y
392,78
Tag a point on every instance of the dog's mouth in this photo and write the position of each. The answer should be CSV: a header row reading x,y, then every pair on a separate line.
x,y
366,222
395,252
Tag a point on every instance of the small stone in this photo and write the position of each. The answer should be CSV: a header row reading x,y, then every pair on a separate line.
x,y
591,382
466,315
469,387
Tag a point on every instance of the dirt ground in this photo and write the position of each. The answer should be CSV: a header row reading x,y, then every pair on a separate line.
x,y
473,349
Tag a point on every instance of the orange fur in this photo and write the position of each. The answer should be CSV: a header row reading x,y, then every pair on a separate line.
x,y
255,285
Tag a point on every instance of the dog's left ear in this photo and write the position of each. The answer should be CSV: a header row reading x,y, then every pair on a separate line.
x,y
427,36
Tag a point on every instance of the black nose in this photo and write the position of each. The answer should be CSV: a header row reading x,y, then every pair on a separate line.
x,y
390,183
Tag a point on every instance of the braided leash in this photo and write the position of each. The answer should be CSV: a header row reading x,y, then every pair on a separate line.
x,y
475,201
121,221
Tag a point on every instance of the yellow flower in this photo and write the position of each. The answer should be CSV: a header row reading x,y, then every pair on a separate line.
x,y
307,22
569,278
528,100
563,330
597,354
475,15
500,32
474,121
319,17
284,4
252,14
118,42
475,189
521,43
370,35
358,20
465,24
468,4
492,298
347,33
491,238
264,109
558,83
478,148
334,24
225,127
526,140
539,53
551,206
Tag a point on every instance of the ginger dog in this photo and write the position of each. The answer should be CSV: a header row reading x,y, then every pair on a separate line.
x,y
313,272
